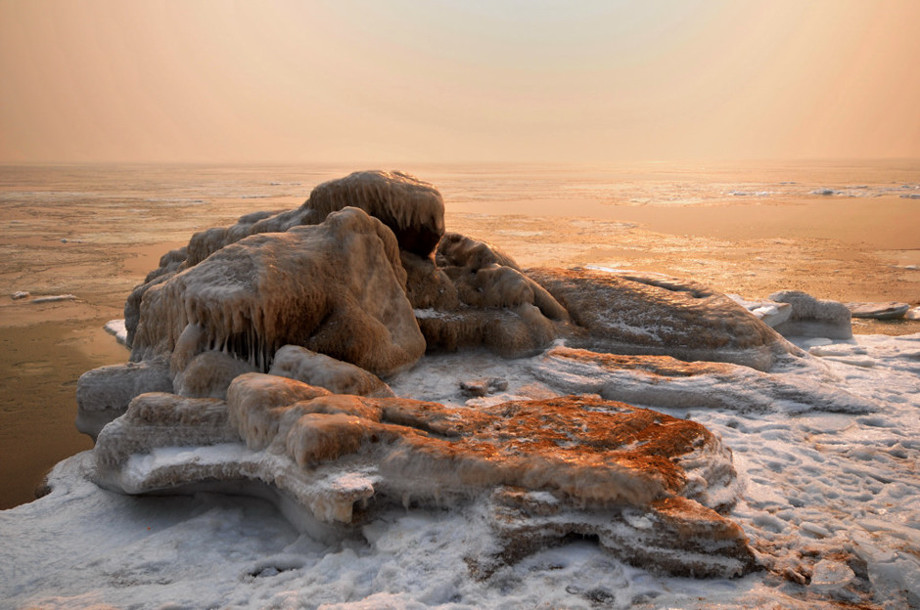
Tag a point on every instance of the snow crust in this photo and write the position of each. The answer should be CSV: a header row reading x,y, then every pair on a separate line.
x,y
117,329
830,503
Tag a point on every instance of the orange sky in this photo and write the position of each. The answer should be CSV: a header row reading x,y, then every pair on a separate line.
x,y
458,80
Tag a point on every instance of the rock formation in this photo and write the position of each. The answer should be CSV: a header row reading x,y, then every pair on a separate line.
x,y
320,370
104,393
636,479
335,288
262,353
628,313
412,209
664,381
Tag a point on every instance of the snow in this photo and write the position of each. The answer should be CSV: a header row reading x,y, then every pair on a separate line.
x,y
829,499
118,330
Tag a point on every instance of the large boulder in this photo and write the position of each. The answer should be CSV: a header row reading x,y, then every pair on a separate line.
x,y
337,288
630,313
411,208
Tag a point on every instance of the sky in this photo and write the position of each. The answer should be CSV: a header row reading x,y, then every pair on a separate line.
x,y
457,80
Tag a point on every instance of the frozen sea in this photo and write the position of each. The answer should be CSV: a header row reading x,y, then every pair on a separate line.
x,y
830,498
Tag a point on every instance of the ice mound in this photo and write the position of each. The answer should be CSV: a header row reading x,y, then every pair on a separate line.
x,y
646,484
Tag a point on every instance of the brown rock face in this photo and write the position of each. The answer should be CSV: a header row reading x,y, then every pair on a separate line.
x,y
596,452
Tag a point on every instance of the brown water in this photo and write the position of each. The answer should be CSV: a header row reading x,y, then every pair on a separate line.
x,y
95,231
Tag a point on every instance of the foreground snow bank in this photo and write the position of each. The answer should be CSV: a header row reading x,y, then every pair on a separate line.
x,y
831,504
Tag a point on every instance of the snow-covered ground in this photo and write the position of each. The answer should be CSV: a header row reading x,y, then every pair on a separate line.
x,y
831,503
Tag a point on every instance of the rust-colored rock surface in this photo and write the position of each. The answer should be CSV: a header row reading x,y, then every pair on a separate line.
x,y
636,479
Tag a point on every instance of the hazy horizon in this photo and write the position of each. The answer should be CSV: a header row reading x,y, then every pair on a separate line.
x,y
208,82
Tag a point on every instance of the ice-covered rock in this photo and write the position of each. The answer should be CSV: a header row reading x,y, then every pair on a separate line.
x,y
411,208
481,387
117,329
207,375
663,381
634,478
159,419
474,295
812,317
104,393
320,370
335,288
891,310
355,285
629,313
674,535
